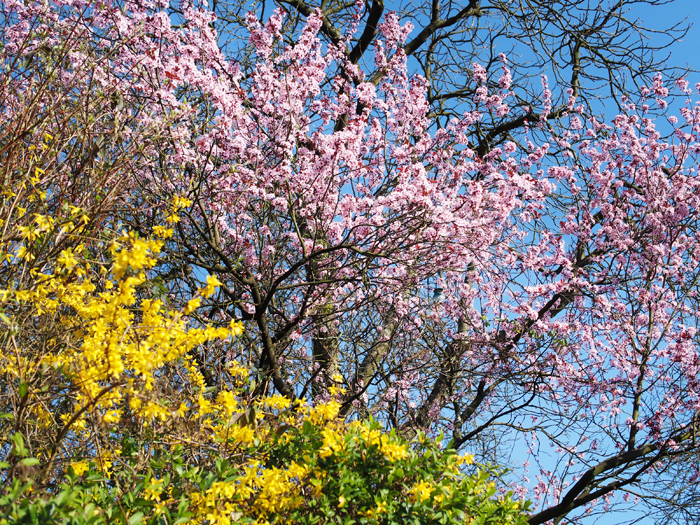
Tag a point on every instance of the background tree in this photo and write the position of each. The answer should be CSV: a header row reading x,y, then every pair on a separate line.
x,y
597,49
483,371
480,373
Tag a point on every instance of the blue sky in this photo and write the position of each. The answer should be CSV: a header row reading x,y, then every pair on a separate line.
x,y
684,53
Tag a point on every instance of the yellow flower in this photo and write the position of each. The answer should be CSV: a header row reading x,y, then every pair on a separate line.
x,y
67,259
205,406
162,232
420,491
192,305
276,402
467,459
180,203
227,400
153,411
113,416
324,412
152,492
236,328
237,370
80,467
182,410
212,283
393,452
332,442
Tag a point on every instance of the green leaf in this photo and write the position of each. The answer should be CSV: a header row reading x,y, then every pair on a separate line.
x,y
23,389
18,440
19,449
28,462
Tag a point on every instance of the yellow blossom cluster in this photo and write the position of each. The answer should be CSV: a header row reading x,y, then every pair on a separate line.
x,y
116,356
259,491
421,491
80,327
391,448
179,203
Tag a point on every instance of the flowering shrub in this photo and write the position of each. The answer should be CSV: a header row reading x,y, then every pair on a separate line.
x,y
295,472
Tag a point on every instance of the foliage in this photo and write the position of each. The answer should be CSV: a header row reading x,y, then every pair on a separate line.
x,y
349,474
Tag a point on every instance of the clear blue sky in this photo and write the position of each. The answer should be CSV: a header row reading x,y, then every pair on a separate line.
x,y
686,52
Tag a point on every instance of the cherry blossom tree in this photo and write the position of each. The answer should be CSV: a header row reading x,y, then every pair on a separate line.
x,y
537,288
599,50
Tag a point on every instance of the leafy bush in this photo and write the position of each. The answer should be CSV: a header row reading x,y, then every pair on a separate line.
x,y
316,470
